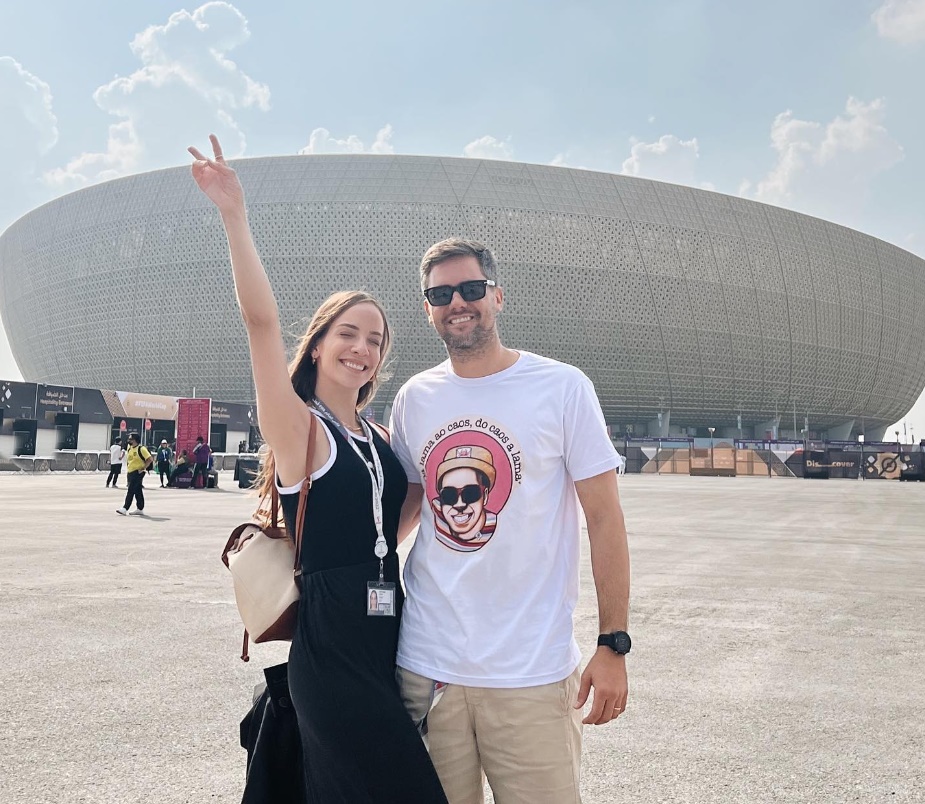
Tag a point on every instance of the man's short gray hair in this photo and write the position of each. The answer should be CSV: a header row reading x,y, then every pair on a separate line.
x,y
458,247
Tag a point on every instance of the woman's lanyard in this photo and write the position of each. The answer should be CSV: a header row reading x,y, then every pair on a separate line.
x,y
376,475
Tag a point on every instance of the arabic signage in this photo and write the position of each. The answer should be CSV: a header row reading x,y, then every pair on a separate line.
x,y
234,416
52,399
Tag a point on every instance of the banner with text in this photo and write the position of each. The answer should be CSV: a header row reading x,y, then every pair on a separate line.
x,y
194,419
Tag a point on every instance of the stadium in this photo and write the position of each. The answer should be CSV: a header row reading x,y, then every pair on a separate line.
x,y
688,309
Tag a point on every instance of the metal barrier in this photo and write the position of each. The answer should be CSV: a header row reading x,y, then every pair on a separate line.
x,y
74,461
86,462
63,462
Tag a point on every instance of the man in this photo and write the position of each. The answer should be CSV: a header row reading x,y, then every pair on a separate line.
x,y
487,659
138,460
116,456
201,453
163,462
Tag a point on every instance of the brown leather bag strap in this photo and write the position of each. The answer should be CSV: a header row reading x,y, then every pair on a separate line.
x,y
274,504
303,497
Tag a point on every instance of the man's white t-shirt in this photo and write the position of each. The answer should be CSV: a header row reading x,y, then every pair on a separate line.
x,y
492,578
115,454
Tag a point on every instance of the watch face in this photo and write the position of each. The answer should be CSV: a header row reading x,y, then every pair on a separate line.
x,y
618,641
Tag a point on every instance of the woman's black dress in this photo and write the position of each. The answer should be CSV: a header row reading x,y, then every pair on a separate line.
x,y
360,744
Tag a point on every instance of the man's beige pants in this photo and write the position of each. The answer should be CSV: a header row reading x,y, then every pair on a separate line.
x,y
526,740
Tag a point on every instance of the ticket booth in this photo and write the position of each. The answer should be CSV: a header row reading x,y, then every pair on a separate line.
x,y
24,431
67,427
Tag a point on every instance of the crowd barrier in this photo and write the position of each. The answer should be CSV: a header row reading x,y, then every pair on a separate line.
x,y
815,460
812,460
77,461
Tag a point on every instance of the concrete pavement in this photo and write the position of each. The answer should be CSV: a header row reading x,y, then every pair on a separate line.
x,y
778,630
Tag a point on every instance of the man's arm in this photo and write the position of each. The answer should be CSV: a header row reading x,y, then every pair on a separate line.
x,y
610,565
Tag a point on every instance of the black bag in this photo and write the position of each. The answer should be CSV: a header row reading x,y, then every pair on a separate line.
x,y
270,733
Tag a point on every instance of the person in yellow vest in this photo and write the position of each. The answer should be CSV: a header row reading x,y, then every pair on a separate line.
x,y
138,459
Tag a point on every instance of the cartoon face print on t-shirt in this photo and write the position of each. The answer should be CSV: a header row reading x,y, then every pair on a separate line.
x,y
469,475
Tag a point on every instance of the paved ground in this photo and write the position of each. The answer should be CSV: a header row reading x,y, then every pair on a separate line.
x,y
778,627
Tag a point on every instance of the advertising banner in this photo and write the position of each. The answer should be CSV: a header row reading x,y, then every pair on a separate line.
x,y
148,406
18,401
194,419
904,464
234,416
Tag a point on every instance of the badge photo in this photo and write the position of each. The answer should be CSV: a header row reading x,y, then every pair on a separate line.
x,y
380,599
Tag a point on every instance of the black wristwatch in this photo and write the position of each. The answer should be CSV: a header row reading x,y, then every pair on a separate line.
x,y
618,642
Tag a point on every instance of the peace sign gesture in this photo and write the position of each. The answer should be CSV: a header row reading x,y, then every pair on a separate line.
x,y
218,181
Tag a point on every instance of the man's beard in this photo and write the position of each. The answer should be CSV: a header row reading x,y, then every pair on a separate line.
x,y
471,344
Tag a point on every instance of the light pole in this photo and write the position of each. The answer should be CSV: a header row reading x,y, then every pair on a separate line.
x,y
862,438
711,429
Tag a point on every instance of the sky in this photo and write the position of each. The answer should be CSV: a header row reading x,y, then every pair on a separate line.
x,y
813,105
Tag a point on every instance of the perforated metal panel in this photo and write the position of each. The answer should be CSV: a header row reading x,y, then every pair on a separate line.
x,y
670,298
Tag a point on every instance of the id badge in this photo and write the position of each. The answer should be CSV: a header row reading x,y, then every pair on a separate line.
x,y
380,599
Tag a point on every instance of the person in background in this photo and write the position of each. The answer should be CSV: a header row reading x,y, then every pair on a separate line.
x,y
163,462
182,467
201,454
116,456
138,460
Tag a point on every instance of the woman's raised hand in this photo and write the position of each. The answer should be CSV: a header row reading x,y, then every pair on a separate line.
x,y
218,181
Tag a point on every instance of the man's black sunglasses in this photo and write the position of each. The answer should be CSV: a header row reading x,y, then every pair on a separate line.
x,y
470,291
468,494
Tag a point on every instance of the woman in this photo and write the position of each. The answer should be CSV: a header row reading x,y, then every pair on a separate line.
x,y
181,468
342,659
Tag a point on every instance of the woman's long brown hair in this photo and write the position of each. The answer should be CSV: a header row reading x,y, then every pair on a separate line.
x,y
304,373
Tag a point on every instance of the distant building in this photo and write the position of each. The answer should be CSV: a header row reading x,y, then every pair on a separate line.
x,y
687,308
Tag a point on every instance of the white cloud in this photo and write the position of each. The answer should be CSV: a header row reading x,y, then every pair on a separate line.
x,y
28,131
186,88
383,141
489,147
902,20
669,159
321,142
826,168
